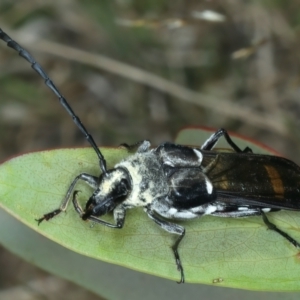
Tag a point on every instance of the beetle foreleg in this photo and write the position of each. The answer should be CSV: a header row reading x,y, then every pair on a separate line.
x,y
89,179
213,139
171,228
272,226
119,214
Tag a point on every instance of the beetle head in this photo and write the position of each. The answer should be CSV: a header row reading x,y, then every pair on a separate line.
x,y
113,188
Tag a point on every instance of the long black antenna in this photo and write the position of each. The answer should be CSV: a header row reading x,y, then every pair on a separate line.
x,y
37,67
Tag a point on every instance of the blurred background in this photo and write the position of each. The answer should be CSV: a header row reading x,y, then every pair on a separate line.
x,y
135,70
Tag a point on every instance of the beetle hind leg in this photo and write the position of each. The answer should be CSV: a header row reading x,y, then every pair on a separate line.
x,y
213,139
272,226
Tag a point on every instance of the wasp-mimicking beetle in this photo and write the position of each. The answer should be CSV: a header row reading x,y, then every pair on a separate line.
x,y
175,182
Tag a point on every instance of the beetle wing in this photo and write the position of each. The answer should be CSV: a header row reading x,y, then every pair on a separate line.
x,y
255,180
265,201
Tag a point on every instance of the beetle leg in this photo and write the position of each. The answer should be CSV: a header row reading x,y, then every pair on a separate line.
x,y
171,228
213,139
272,226
92,181
256,212
119,214
139,147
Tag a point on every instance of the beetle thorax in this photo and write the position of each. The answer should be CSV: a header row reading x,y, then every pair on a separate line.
x,y
147,177
112,179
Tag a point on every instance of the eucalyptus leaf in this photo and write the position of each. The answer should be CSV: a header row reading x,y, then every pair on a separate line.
x,y
238,253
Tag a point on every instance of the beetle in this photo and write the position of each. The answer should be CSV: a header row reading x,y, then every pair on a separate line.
x,y
176,182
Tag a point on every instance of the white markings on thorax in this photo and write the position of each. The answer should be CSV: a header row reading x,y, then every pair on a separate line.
x,y
108,183
210,209
199,155
148,179
240,208
209,186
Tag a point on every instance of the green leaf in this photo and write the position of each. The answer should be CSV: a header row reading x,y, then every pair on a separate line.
x,y
238,253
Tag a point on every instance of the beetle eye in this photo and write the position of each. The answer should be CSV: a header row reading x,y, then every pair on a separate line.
x,y
124,185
